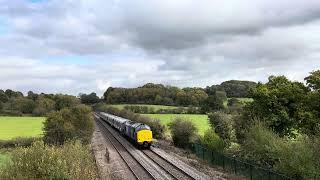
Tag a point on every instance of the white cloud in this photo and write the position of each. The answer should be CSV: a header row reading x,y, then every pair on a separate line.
x,y
181,42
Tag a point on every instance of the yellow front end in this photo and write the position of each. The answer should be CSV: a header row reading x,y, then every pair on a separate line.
x,y
144,136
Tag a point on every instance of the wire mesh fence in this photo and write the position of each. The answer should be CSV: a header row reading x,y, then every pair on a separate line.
x,y
236,166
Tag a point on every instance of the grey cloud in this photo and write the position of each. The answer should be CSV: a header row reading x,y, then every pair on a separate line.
x,y
184,43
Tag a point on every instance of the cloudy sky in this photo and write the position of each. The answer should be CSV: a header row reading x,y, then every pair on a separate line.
x,y
74,46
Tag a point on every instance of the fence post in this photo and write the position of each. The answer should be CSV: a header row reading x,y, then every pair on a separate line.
x,y
235,166
212,157
250,171
223,162
203,153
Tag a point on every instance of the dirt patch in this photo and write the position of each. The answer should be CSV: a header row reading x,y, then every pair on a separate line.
x,y
214,172
109,162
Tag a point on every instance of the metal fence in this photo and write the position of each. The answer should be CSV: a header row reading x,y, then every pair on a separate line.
x,y
236,166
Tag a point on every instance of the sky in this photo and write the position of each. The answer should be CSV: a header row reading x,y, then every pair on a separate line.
x,y
81,46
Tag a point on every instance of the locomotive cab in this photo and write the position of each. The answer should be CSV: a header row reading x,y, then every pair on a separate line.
x,y
144,135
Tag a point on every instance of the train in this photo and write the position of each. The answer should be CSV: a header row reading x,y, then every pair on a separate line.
x,y
138,133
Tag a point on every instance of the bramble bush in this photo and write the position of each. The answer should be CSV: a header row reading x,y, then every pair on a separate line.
x,y
223,125
71,161
212,141
295,157
183,132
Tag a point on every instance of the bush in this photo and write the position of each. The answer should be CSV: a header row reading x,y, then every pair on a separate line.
x,y
18,142
223,125
299,158
72,161
158,130
262,145
212,141
69,123
182,132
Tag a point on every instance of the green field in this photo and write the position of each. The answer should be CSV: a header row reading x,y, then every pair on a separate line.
x,y
11,127
201,121
155,107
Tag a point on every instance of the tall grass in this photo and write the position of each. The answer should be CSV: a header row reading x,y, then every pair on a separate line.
x,y
71,161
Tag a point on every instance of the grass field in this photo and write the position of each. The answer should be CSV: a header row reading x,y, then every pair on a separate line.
x,y
11,127
201,121
156,107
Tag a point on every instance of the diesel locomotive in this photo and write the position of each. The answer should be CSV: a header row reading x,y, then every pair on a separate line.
x,y
138,133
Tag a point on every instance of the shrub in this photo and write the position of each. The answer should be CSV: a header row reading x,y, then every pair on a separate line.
x,y
69,123
299,158
183,132
212,141
223,125
72,161
262,145
157,128
18,142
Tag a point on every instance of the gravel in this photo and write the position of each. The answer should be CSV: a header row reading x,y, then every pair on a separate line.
x,y
187,157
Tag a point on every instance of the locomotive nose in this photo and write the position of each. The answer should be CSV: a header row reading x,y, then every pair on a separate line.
x,y
146,144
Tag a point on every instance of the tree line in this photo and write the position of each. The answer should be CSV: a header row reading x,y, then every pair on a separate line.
x,y
169,95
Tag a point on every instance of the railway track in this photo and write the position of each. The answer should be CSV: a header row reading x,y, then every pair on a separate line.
x,y
148,164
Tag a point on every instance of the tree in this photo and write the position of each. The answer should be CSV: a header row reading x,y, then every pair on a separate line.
x,y
235,88
278,102
44,106
214,102
89,99
33,96
223,125
3,97
69,123
313,80
63,101
182,131
13,94
23,105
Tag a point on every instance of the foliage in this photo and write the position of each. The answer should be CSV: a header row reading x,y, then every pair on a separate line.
x,y
71,161
65,101
89,99
43,106
23,105
261,145
156,94
3,97
212,141
214,102
277,103
235,106
18,142
69,123
14,103
299,158
235,88
183,132
313,80
223,125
